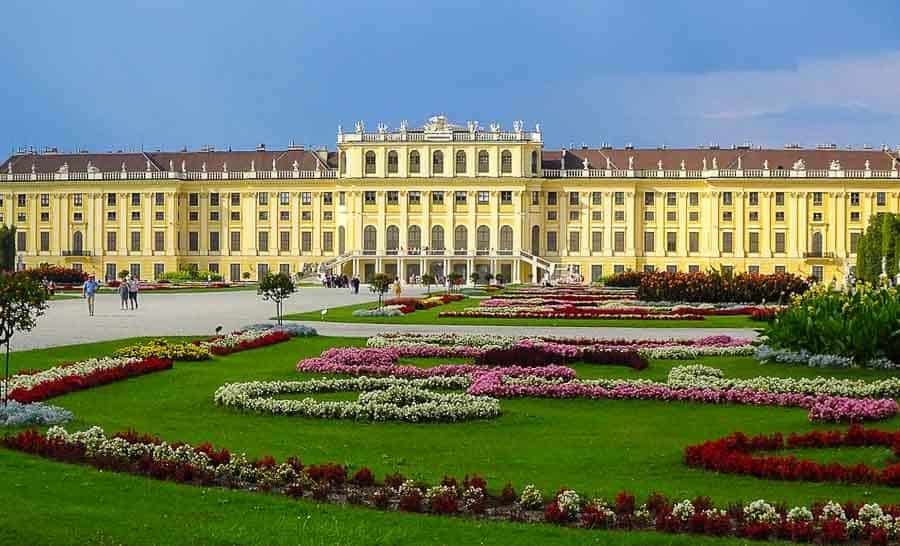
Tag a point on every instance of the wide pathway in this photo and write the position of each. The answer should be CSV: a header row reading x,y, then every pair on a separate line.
x,y
67,322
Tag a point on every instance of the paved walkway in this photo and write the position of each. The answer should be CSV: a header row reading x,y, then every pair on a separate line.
x,y
67,322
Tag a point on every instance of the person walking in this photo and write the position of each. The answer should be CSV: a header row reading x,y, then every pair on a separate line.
x,y
123,293
88,290
355,284
133,292
397,288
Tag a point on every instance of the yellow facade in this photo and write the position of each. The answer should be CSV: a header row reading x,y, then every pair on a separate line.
x,y
498,210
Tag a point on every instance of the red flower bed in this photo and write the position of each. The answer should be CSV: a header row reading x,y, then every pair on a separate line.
x,y
733,454
57,274
628,279
764,313
270,338
576,313
72,383
714,287
402,301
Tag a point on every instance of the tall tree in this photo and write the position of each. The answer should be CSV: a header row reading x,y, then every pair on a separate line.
x,y
276,287
380,284
7,248
22,301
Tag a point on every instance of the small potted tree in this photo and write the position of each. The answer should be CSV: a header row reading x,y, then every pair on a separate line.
x,y
380,284
428,280
474,277
455,279
500,279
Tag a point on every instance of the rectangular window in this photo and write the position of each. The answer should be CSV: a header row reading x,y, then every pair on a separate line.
x,y
135,199
649,241
694,199
780,269
262,198
596,241
727,198
306,198
818,272
727,270
110,241
214,268
596,198
327,199
671,216
649,216
20,217
619,216
649,268
727,241
671,241
535,198
854,242
369,197
817,198
193,241
505,197
158,270
213,199
135,216
880,199
111,216
551,198
415,198
305,216
753,269
754,216
77,200
854,216
574,199
78,217
284,215
574,241
110,199
619,198
671,199
159,241
159,216
753,242
649,198
45,241
262,270
193,216
234,272
135,241
779,242
693,216
21,240
693,269
437,198
263,241
214,241
214,216
672,269
817,217
596,273
596,215
235,241
551,215
753,198
327,241
284,269
779,199
574,215
235,216
618,269
45,217
135,270
484,198
694,241
459,197
854,199
551,241
284,198
284,241
328,216
263,216
619,241
727,216
193,199
393,197
306,241
20,199
779,216
235,199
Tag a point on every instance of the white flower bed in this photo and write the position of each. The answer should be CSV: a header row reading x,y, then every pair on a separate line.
x,y
766,354
383,399
82,368
229,341
15,414
386,311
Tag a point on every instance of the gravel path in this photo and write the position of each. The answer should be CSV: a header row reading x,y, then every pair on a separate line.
x,y
67,322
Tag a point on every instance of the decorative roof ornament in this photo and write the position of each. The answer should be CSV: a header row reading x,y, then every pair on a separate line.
x,y
537,128
893,163
33,169
273,164
739,163
148,166
704,163
183,166
517,126
715,163
659,165
360,127
295,166
382,128
472,126
92,169
631,163
766,164
203,167
868,165
437,124
171,165
495,127
123,167
224,166
608,163
835,165
799,165
64,169
252,165
683,165
9,167
586,163
404,125
340,129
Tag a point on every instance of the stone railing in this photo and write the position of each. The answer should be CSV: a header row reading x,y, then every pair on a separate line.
x,y
166,175
441,136
718,173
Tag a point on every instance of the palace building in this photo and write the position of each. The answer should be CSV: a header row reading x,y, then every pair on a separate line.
x,y
442,198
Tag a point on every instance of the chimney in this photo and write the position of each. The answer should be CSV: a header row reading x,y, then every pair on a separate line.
x,y
260,147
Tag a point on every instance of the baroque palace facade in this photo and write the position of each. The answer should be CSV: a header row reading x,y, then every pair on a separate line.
x,y
444,198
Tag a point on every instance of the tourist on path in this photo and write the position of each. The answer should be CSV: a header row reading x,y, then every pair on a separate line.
x,y
88,290
397,288
123,293
133,292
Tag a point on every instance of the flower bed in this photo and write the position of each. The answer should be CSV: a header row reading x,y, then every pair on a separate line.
x,y
241,341
566,312
204,465
162,348
717,287
734,454
80,375
16,414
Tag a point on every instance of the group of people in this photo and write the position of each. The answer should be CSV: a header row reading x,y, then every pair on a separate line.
x,y
128,292
49,286
340,281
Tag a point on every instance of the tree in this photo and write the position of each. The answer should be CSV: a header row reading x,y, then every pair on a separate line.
x,y
123,274
7,248
455,279
881,239
380,284
475,277
428,280
22,301
276,287
500,278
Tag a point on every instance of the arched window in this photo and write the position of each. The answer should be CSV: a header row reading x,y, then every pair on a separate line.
x,y
484,161
370,240
816,249
393,162
437,162
342,240
415,165
414,238
392,236
437,238
535,162
460,239
77,243
483,239
370,162
506,238
506,162
460,162
536,240
343,162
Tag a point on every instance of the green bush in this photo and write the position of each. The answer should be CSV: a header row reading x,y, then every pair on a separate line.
x,y
190,275
881,239
861,324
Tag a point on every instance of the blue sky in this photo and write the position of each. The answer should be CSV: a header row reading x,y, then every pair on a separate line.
x,y
167,73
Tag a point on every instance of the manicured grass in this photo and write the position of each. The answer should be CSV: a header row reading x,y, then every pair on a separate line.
x,y
597,447
430,316
51,503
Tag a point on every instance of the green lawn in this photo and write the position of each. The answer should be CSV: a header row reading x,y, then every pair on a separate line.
x,y
430,316
596,447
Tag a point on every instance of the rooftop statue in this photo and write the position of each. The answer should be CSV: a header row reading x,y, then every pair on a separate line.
x,y
799,165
